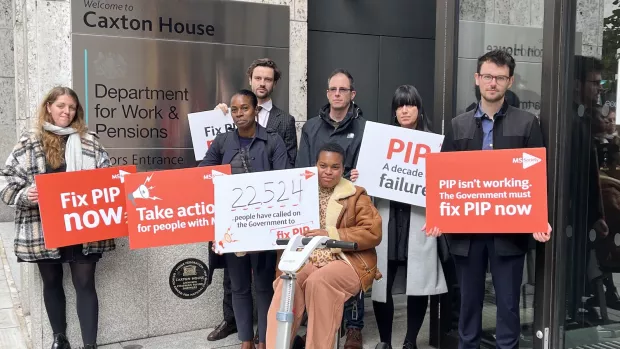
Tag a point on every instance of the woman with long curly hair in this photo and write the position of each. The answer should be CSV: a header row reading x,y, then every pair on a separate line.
x,y
60,142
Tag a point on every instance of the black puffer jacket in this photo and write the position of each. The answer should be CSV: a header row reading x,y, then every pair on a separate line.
x,y
320,130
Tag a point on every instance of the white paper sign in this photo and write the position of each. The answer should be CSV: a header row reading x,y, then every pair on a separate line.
x,y
391,162
204,126
253,210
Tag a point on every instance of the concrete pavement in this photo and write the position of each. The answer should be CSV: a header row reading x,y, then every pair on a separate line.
x,y
14,332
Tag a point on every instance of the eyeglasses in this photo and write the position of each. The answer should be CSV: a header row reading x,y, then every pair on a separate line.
x,y
500,79
339,90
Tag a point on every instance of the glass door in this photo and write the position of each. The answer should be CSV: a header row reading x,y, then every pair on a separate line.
x,y
569,294
586,305
517,28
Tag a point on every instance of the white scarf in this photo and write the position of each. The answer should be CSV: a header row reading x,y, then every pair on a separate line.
x,y
73,148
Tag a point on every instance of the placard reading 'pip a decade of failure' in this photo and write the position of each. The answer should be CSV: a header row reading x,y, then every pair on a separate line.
x,y
499,191
139,69
256,209
392,162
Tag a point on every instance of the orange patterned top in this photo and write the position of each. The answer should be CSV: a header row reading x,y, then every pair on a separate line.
x,y
321,256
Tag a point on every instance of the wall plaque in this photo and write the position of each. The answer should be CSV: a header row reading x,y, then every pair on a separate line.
x,y
189,278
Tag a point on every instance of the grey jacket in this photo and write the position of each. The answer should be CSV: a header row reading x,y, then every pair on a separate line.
x,y
424,271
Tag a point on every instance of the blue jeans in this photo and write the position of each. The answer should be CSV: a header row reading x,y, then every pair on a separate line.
x,y
354,312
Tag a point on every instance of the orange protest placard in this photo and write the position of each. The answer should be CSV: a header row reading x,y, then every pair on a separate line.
x,y
171,207
498,191
82,206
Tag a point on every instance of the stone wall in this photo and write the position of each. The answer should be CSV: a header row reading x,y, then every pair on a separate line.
x,y
7,91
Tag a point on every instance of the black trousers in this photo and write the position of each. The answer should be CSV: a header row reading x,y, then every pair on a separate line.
x,y
507,274
227,303
384,312
83,277
259,267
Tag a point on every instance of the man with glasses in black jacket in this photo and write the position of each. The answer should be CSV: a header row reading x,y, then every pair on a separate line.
x,y
341,122
493,124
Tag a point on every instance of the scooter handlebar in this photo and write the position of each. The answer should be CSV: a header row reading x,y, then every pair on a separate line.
x,y
345,245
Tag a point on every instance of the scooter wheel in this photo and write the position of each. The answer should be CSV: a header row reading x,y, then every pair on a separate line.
x,y
298,343
383,346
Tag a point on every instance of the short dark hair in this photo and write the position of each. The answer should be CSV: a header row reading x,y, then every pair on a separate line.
x,y
247,93
409,95
331,148
265,62
345,73
500,58
585,65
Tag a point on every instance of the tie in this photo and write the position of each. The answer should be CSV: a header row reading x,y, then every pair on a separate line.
x,y
262,120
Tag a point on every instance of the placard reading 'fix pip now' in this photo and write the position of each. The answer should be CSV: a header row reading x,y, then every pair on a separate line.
x,y
499,191
82,206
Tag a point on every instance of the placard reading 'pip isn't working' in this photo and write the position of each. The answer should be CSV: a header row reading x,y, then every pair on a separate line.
x,y
499,191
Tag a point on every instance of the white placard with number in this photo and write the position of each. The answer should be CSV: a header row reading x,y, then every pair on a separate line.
x,y
253,210
204,126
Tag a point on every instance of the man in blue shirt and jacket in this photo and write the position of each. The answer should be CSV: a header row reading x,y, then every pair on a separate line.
x,y
493,124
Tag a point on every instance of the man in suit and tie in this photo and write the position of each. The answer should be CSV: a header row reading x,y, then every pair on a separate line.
x,y
263,76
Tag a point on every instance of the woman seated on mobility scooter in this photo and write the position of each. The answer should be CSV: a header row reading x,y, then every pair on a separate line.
x,y
332,276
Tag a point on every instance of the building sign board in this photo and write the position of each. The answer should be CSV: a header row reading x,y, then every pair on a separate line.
x,y
138,78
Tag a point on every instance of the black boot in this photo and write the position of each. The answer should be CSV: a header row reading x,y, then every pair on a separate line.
x,y
60,341
90,346
409,345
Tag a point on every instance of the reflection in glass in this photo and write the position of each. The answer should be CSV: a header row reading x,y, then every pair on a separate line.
x,y
592,300
481,31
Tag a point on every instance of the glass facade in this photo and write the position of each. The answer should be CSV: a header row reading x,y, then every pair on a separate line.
x,y
568,62
592,237
482,27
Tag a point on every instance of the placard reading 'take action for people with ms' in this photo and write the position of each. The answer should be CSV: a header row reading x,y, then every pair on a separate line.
x,y
171,207
499,191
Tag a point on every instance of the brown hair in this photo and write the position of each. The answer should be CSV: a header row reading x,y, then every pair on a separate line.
x,y
265,62
53,146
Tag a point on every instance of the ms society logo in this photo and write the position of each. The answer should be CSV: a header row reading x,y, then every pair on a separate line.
x,y
121,175
527,160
